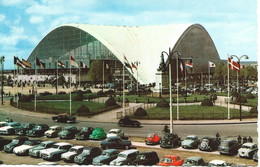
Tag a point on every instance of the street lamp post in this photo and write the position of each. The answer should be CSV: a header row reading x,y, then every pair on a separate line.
x,y
2,59
239,90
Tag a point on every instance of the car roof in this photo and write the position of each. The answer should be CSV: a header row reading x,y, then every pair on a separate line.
x,y
171,156
12,123
194,158
67,127
89,147
111,150
113,137
55,126
192,136
48,142
216,161
129,151
6,127
248,144
114,130
77,147
62,143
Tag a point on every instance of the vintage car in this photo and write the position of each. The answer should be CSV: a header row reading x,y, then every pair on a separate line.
x,y
194,161
170,160
106,157
68,132
87,156
15,142
9,128
35,151
84,133
74,151
146,158
126,121
54,153
255,156
247,150
191,141
2,124
3,142
24,149
64,118
116,132
218,163
38,130
24,129
229,147
152,139
115,142
170,140
98,134
53,131
208,143
125,157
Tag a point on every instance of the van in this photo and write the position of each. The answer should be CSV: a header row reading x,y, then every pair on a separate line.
x,y
125,157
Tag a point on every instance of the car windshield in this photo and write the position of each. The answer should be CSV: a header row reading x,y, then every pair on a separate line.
x,y
28,143
122,155
86,152
166,160
42,144
190,138
25,125
105,153
190,162
245,146
15,141
113,132
141,157
55,146
84,129
53,128
73,150
37,128
224,144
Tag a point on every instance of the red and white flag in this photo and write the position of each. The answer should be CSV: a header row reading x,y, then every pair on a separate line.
x,y
134,66
83,65
61,64
233,65
211,64
73,62
190,65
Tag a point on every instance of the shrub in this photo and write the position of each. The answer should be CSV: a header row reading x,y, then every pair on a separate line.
x,y
132,92
101,93
204,91
206,102
110,92
62,93
243,99
79,96
140,112
214,97
234,94
88,91
250,96
82,110
253,110
110,102
24,98
162,104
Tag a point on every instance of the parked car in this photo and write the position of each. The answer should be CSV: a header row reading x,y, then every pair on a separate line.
x,y
98,134
125,157
38,130
146,158
116,132
152,139
2,124
15,142
84,133
106,157
218,163
53,131
208,144
87,156
24,129
68,132
229,147
115,142
35,151
194,161
9,128
170,140
54,153
255,156
126,121
74,151
170,160
3,142
191,141
247,150
24,149
64,118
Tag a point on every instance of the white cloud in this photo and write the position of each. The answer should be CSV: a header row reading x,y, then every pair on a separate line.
x,y
2,18
15,2
36,19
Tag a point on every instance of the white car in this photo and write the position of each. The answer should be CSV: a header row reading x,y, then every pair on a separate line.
x,y
74,151
218,163
116,133
125,157
24,149
53,131
54,153
7,130
3,124
247,150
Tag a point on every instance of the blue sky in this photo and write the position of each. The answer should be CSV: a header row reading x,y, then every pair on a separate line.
x,y
232,24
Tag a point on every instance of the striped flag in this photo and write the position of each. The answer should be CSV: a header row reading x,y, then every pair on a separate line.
x,y
18,62
190,65
73,62
61,64
211,64
233,65
134,66
26,63
39,63
83,65
127,64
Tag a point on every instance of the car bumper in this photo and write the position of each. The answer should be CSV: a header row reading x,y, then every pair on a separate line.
x,y
35,154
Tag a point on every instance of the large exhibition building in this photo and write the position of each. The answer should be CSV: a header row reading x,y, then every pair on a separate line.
x,y
142,44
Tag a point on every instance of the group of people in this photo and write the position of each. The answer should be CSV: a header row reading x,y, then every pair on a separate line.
x,y
245,139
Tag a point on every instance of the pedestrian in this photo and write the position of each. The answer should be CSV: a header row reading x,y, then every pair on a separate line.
x,y
239,139
244,139
166,129
250,140
217,135
7,120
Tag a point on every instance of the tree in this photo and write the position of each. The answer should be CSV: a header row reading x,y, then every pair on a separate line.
x,y
95,72
220,72
251,73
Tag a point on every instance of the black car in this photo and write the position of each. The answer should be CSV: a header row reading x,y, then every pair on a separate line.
x,y
24,129
38,130
170,140
106,157
4,142
146,158
126,121
15,142
68,132
115,142
229,147
209,143
65,118
87,156
84,133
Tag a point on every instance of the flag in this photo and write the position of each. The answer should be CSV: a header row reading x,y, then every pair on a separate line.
x,y
233,65
211,64
83,65
190,65
181,67
127,64
18,62
73,62
26,63
61,64
134,66
39,63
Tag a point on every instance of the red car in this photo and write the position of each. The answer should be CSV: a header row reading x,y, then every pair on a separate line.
x,y
170,160
152,139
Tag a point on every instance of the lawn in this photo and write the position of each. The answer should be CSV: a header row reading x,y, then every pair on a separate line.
x,y
194,112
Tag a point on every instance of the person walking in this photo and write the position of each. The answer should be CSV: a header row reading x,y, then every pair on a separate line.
x,y
244,139
239,139
250,140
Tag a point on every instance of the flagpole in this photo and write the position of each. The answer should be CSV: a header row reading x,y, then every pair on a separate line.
x,y
70,83
177,87
35,84
17,84
79,75
228,89
209,74
185,77
123,91
57,76
237,80
103,76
